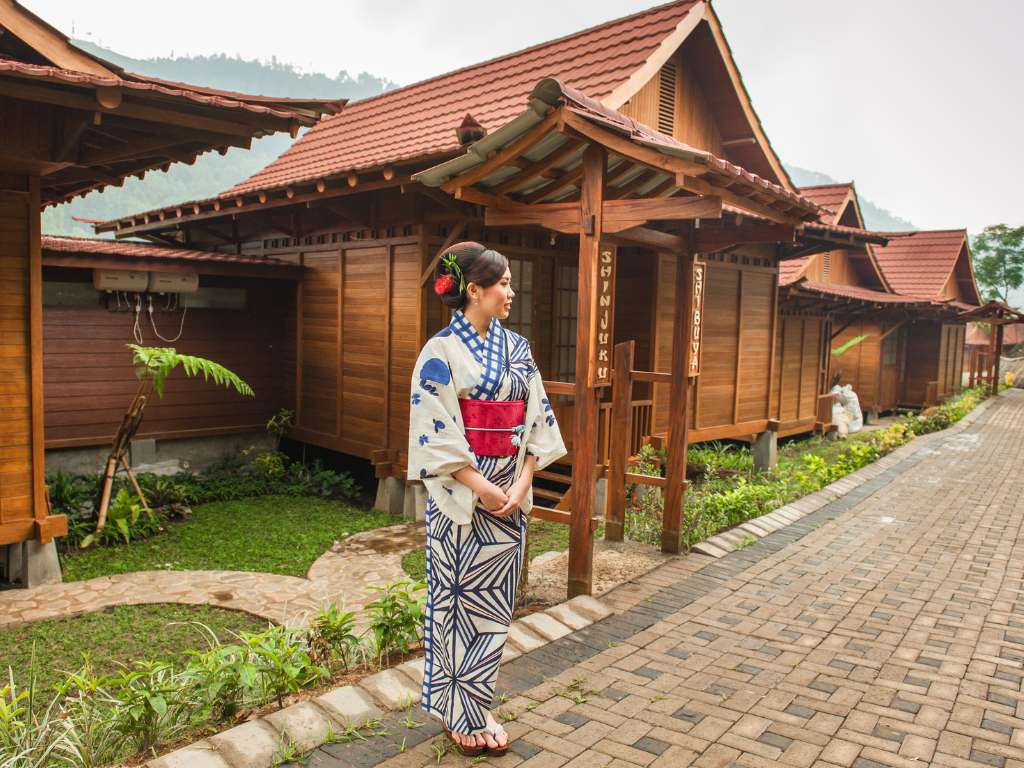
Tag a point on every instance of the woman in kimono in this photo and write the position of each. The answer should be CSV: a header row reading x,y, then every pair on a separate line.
x,y
480,425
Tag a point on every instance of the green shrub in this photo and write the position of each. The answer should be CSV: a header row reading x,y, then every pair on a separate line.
x,y
281,659
396,617
333,636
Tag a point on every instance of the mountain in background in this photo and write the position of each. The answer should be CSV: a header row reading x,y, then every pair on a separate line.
x,y
875,217
213,173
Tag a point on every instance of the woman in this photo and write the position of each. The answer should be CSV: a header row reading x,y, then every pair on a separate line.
x,y
480,425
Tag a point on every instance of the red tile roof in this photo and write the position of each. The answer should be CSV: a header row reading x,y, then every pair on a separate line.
x,y
854,292
127,249
828,196
920,263
293,109
419,120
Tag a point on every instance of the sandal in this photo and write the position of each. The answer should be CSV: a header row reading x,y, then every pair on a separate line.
x,y
498,729
462,749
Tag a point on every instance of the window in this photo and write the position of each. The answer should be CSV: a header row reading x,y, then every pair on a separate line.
x,y
566,297
58,293
520,319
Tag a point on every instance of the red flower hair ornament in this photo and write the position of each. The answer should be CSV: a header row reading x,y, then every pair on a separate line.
x,y
446,282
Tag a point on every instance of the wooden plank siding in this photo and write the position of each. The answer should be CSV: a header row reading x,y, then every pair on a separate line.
x,y
731,398
90,381
17,513
798,354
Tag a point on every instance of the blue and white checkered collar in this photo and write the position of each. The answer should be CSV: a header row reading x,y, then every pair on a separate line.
x,y
489,353
464,330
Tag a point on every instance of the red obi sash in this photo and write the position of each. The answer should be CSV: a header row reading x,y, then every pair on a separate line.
x,y
493,427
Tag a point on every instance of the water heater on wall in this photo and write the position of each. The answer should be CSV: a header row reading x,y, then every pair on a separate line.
x,y
119,280
173,282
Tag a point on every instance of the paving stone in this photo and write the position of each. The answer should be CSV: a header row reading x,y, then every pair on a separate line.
x,y
523,638
247,745
349,704
305,724
202,754
391,689
589,606
566,615
545,625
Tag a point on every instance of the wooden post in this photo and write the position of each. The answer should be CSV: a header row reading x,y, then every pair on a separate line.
x,y
587,398
619,440
675,464
998,353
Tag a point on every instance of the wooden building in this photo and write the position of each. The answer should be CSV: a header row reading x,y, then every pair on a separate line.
x,y
345,203
71,123
932,266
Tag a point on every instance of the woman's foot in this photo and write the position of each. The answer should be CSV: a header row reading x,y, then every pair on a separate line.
x,y
495,736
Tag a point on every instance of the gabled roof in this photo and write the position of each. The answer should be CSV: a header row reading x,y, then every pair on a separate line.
x,y
853,292
979,336
842,216
39,64
921,264
493,164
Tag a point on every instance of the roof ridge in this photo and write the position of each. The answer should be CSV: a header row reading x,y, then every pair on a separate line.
x,y
521,51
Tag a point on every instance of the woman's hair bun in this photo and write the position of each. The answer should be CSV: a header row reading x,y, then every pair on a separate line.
x,y
464,263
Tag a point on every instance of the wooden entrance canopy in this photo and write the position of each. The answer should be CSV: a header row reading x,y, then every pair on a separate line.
x,y
998,314
570,164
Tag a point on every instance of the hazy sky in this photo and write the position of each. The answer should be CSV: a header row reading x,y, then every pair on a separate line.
x,y
919,101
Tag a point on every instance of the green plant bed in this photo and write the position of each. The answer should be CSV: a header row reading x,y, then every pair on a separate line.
x,y
268,534
121,634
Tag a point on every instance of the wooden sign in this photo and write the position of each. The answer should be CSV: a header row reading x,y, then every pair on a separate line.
x,y
604,318
697,319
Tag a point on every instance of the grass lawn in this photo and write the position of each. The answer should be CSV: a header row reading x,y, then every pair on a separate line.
x,y
120,634
270,534
544,536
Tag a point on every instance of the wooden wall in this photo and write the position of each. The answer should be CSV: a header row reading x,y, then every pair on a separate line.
x,y
730,397
951,360
90,381
16,446
800,347
874,368
692,120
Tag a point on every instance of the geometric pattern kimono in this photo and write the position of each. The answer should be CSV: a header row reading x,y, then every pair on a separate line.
x,y
474,558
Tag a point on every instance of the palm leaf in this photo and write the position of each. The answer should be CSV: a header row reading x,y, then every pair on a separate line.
x,y
158,362
849,345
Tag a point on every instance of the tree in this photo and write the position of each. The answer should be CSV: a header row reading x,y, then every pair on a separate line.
x,y
999,260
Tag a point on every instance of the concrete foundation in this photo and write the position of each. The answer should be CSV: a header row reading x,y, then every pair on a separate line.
x,y
195,453
391,493
31,564
766,451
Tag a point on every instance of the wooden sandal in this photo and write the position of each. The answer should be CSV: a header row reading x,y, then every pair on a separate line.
x,y
462,749
498,729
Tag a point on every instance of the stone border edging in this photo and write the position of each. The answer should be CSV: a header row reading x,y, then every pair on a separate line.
x,y
308,723
723,543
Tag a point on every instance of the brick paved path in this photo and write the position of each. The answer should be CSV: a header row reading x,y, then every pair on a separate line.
x,y
887,628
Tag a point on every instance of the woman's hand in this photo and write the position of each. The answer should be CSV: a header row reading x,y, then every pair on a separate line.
x,y
492,497
519,488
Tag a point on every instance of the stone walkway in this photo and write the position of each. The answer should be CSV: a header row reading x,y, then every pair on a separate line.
x,y
343,575
886,628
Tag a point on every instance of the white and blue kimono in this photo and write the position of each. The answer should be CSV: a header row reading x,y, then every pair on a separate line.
x,y
474,558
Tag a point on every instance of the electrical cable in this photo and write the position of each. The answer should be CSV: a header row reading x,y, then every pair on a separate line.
x,y
181,327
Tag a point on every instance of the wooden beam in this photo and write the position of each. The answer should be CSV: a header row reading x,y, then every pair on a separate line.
x,y
587,399
567,179
453,236
510,152
712,239
536,168
646,237
618,214
704,187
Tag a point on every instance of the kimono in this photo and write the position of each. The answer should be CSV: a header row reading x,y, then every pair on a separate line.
x,y
474,558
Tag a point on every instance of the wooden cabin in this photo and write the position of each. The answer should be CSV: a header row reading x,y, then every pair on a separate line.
x,y
932,266
689,186
72,123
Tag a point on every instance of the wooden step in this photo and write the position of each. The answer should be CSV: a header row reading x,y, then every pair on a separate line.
x,y
544,493
557,477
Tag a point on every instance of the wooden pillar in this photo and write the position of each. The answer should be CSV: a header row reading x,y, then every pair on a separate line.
x,y
35,283
619,440
998,353
679,410
587,398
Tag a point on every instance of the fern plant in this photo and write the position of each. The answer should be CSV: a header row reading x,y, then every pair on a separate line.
x,y
155,364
